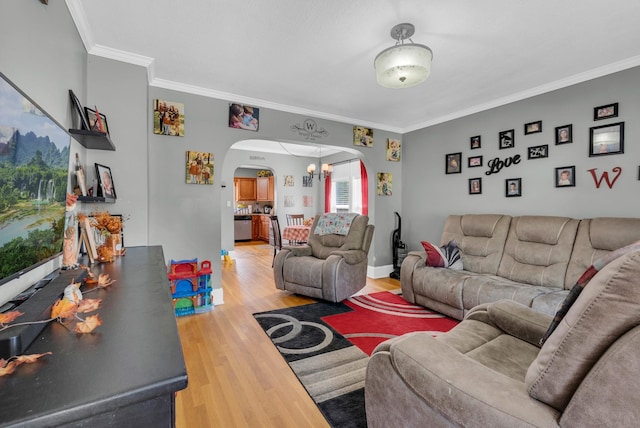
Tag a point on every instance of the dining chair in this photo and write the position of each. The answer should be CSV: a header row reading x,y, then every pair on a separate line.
x,y
295,219
277,236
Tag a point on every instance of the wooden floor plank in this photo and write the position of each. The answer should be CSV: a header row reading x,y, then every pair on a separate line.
x,y
237,378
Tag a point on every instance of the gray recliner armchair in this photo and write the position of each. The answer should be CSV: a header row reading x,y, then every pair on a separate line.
x,y
330,266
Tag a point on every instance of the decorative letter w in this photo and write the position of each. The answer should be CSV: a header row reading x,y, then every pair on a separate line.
x,y
605,176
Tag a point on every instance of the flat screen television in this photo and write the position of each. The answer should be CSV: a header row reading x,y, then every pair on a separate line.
x,y
34,175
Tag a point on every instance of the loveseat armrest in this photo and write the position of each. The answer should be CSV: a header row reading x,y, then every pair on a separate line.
x,y
352,257
519,320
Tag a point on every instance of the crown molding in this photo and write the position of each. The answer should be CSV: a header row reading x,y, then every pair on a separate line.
x,y
80,19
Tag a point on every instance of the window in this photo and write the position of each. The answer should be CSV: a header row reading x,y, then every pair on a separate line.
x,y
346,191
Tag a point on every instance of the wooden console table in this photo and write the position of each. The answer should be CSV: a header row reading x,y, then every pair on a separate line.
x,y
125,373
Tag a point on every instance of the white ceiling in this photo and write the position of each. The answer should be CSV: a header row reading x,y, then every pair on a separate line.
x,y
315,57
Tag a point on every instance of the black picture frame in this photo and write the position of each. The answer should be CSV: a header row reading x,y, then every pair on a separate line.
x,y
92,117
506,139
605,112
565,176
513,187
564,134
475,142
538,152
474,161
606,139
453,163
475,186
84,123
103,173
533,127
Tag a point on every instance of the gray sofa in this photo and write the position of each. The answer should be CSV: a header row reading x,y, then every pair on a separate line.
x,y
532,260
491,371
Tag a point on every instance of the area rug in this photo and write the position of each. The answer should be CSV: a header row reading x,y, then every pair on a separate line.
x,y
327,345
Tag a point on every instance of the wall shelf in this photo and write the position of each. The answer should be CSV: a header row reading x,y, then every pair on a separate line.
x,y
93,140
96,199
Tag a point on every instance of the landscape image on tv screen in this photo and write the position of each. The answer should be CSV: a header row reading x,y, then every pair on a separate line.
x,y
34,165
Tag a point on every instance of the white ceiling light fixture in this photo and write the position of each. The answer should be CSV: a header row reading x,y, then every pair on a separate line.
x,y
403,65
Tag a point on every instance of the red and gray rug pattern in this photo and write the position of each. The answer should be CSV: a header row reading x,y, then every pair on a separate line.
x,y
327,345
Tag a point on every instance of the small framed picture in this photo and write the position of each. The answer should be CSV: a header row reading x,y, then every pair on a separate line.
x,y
513,187
475,186
453,163
474,161
244,117
106,187
605,112
97,121
606,140
475,142
507,139
565,176
564,134
84,124
538,152
532,127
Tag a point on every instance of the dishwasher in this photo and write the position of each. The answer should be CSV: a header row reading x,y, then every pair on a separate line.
x,y
242,228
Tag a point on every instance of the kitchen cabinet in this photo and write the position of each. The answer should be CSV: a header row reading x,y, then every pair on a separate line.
x,y
264,189
245,189
255,227
265,225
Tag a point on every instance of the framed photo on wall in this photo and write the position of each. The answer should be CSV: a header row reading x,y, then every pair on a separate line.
x,y
538,152
533,127
606,139
474,161
106,188
565,176
475,142
506,139
605,112
564,134
513,187
97,121
475,186
453,163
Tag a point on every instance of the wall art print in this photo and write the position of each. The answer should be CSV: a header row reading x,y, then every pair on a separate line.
x,y
362,136
564,134
384,184
289,201
506,139
307,181
394,150
168,118
244,117
606,139
199,168
288,181
307,201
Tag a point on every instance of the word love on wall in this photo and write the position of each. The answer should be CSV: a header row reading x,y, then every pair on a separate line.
x,y
496,164
605,176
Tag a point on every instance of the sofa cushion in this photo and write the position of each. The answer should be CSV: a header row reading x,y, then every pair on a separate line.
x,y
605,310
435,257
597,237
538,249
480,238
479,289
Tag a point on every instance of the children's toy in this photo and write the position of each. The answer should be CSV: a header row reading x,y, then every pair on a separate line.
x,y
190,287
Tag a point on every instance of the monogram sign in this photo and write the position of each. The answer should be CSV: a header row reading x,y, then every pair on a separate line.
x,y
309,130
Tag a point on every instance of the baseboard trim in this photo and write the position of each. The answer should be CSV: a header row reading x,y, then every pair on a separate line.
x,y
379,271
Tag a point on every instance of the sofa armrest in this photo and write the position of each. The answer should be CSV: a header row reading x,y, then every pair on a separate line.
x,y
462,390
519,320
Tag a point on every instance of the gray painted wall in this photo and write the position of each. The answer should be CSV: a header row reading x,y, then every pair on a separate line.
x,y
432,195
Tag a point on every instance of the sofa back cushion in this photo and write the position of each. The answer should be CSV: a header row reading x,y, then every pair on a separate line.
x,y
597,237
538,249
358,238
480,238
608,307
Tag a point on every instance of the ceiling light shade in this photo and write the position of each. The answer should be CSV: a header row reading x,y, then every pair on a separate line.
x,y
403,65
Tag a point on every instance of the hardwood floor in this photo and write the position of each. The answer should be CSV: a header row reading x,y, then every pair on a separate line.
x,y
237,378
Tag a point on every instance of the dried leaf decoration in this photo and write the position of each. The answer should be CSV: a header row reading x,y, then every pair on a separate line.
x,y
6,318
104,280
88,325
63,309
9,366
88,305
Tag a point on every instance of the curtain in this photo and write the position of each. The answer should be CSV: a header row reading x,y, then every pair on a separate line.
x,y
327,193
365,189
